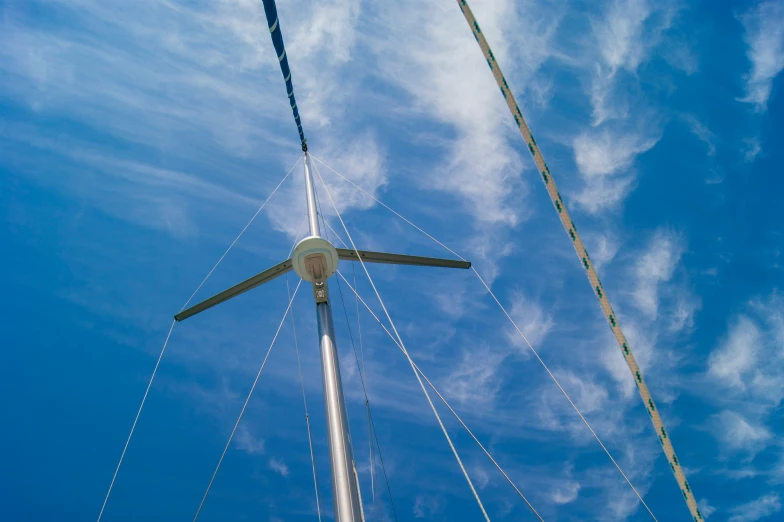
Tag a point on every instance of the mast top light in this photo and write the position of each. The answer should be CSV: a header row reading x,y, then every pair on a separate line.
x,y
314,259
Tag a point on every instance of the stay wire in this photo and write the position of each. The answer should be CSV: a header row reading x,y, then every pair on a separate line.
x,y
247,400
360,368
166,342
305,403
240,234
416,374
503,309
576,409
316,484
373,476
135,420
460,420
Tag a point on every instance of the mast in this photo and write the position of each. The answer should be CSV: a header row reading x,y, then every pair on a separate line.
x,y
345,491
315,260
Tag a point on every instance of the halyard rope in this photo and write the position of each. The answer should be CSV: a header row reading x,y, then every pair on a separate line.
x,y
582,254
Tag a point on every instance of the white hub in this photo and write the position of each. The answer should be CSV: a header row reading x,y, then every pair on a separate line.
x,y
314,259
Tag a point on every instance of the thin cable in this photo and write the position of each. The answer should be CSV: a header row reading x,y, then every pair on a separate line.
x,y
373,477
160,356
555,380
445,401
135,420
576,409
372,470
416,374
360,368
336,234
374,198
247,400
305,403
299,233
384,471
240,235
316,484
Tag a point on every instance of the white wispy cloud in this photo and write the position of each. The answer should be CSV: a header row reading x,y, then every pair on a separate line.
x,y
625,35
737,355
444,73
603,248
750,360
764,506
248,442
621,44
201,86
703,133
625,123
738,433
533,321
764,36
278,466
566,493
654,267
752,149
475,381
747,366
589,396
426,506
604,158
705,508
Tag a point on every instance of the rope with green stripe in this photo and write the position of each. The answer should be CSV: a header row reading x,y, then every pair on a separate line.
x,y
582,253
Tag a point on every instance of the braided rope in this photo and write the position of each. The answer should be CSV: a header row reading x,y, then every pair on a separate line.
x,y
582,254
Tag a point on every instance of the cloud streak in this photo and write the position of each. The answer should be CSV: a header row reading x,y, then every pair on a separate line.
x,y
764,36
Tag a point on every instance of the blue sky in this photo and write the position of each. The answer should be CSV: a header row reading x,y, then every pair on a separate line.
x,y
137,139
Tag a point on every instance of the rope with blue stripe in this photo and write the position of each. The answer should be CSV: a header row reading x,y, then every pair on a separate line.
x,y
271,11
585,260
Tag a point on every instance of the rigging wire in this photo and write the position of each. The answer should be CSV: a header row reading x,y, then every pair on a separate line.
x,y
503,309
166,342
359,298
590,271
373,476
360,368
305,403
316,484
247,400
411,362
240,235
135,420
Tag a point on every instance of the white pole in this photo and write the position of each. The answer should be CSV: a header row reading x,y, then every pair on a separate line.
x,y
345,489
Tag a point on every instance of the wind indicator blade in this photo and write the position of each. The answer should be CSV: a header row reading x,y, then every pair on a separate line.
x,y
400,259
248,284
